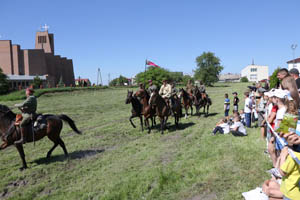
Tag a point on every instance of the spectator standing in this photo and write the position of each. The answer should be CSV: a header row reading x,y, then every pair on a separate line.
x,y
236,101
226,105
247,109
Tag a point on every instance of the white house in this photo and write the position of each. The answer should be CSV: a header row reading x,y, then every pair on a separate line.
x,y
294,64
255,72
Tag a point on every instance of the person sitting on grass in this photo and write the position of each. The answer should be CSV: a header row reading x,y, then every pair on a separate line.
x,y
238,129
242,115
222,127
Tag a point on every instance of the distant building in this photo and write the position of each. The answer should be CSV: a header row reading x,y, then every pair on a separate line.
x,y
82,82
294,64
40,61
229,77
255,73
24,81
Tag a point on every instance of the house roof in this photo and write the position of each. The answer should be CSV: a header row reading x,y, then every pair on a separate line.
x,y
82,79
297,60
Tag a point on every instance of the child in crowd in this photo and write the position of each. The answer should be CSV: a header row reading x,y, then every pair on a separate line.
x,y
238,129
226,105
221,127
261,109
253,108
242,115
247,109
236,101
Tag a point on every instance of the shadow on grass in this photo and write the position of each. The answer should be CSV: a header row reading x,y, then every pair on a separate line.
x,y
72,156
219,86
202,114
181,126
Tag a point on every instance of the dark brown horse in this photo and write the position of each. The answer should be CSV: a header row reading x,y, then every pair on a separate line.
x,y
162,109
137,108
52,131
148,111
186,100
202,100
176,108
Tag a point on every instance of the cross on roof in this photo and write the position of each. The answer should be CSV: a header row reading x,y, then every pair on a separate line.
x,y
45,27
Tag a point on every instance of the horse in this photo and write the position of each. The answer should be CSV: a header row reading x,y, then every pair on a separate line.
x,y
161,107
137,108
187,101
176,108
202,100
52,131
148,112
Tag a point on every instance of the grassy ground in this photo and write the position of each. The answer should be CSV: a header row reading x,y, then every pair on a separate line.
x,y
112,160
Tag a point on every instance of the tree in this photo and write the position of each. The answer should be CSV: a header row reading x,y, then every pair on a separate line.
x,y
61,82
156,74
37,82
4,87
208,68
176,76
186,78
273,78
119,81
244,79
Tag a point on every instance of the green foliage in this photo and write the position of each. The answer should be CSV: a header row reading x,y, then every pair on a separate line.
x,y
186,78
176,77
273,78
208,68
244,79
156,74
4,87
119,81
61,82
37,82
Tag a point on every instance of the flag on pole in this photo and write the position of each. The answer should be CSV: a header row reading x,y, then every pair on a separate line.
x,y
151,64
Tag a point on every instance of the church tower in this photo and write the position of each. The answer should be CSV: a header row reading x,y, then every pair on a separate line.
x,y
45,40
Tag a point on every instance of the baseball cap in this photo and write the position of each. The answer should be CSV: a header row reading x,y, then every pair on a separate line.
x,y
294,71
235,93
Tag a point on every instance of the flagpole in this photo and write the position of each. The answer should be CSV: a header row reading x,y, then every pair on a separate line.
x,y
145,73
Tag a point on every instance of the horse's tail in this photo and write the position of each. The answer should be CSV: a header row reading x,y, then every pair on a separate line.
x,y
70,122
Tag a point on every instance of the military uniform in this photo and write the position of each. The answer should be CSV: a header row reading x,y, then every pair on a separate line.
x,y
165,91
152,88
202,88
28,108
174,91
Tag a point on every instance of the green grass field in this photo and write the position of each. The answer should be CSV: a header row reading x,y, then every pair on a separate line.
x,y
112,160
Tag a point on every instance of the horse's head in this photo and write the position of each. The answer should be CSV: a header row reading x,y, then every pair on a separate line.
x,y
141,93
181,91
5,112
129,97
6,119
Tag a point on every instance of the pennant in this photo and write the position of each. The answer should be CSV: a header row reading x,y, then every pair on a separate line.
x,y
151,63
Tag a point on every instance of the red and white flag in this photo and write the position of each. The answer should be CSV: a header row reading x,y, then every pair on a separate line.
x,y
151,63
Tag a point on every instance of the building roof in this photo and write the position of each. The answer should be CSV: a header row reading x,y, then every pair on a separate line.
x,y
82,79
297,60
24,77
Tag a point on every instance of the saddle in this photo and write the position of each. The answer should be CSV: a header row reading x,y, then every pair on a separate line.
x,y
39,121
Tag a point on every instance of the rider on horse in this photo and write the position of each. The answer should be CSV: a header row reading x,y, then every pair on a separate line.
x,y
165,91
202,87
174,91
28,108
152,87
190,88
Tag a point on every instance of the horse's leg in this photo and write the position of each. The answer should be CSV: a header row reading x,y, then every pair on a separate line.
x,y
207,109
50,151
161,125
141,120
22,155
186,112
62,144
191,109
149,127
131,121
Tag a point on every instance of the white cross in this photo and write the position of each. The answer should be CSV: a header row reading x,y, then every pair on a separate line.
x,y
45,27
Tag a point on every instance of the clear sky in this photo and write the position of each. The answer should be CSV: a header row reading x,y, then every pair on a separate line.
x,y
118,35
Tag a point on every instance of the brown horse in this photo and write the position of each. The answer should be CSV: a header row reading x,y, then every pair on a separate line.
x,y
176,108
148,111
162,109
187,101
202,101
52,131
137,108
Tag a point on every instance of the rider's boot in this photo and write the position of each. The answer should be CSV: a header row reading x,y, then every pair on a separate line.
x,y
23,136
9,131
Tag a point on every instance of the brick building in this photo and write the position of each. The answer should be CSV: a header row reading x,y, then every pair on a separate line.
x,y
40,61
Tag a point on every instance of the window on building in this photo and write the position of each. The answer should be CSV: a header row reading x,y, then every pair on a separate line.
x,y
253,70
253,76
42,39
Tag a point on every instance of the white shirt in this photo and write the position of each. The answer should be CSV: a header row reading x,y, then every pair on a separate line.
x,y
241,127
279,116
225,127
269,110
247,105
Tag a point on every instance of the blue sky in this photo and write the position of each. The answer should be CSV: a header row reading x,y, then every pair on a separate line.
x,y
118,35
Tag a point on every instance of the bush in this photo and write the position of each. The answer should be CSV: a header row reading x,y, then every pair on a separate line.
x,y
244,79
37,82
273,79
4,87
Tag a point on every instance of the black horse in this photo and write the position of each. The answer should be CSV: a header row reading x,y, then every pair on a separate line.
x,y
202,100
187,101
137,108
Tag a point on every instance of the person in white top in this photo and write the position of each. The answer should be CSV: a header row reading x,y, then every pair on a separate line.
x,y
247,109
238,129
221,127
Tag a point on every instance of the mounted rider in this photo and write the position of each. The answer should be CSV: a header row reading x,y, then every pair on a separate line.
x,y
28,109
202,87
174,90
152,87
190,88
165,91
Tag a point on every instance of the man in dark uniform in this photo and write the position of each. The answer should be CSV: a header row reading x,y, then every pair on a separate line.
x,y
28,109
151,87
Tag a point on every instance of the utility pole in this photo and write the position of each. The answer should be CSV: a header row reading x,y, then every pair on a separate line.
x,y
98,76
108,79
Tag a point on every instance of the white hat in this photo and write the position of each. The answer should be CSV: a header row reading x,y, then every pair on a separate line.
x,y
282,94
270,93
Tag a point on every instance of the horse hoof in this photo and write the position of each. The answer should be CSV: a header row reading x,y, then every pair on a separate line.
x,y
22,168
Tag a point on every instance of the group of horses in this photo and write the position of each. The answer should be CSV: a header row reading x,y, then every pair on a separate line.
x,y
151,105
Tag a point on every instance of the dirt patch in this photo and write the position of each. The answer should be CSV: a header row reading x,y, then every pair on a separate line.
x,y
209,196
167,158
173,137
6,191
